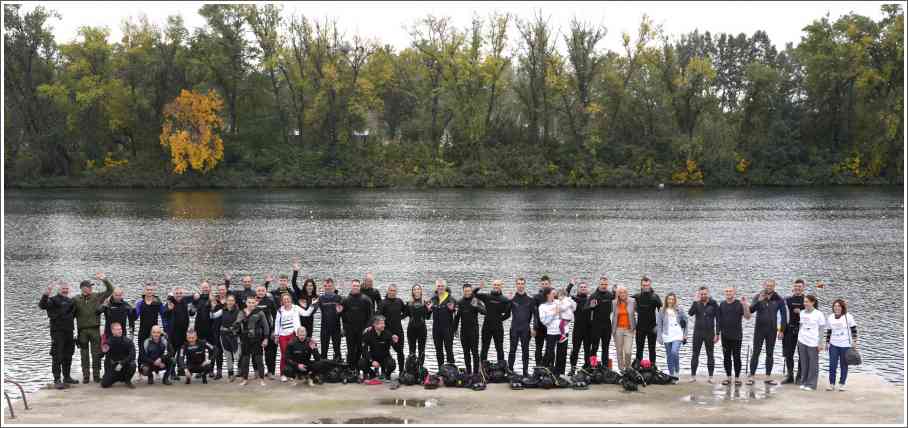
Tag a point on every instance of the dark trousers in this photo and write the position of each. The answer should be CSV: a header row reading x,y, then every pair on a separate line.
x,y
354,336
386,363
580,339
62,347
555,354
523,338
762,336
399,347
701,339
731,356
598,336
251,350
111,375
789,349
540,345
489,334
332,337
214,338
444,346
149,370
469,340
416,340
271,356
646,335
293,372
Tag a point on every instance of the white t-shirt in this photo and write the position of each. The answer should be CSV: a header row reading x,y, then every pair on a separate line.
x,y
841,330
672,331
812,324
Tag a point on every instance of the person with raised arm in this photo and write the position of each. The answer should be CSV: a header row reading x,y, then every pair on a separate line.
x,y
498,310
61,312
88,320
308,293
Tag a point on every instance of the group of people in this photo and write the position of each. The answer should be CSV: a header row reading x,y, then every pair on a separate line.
x,y
199,335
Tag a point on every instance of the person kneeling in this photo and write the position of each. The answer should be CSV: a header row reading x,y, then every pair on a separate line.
x,y
155,356
377,350
300,355
199,355
119,358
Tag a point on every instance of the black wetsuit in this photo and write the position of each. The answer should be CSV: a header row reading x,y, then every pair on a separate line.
x,y
523,314
540,328
269,308
790,338
373,295
229,341
498,309
394,310
330,331
416,329
149,352
203,318
646,305
61,311
148,314
241,295
377,347
705,327
199,358
356,316
120,312
300,352
443,329
600,319
766,327
300,294
178,321
731,333
580,337
121,352
467,318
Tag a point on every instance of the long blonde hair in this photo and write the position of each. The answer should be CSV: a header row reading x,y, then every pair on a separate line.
x,y
674,305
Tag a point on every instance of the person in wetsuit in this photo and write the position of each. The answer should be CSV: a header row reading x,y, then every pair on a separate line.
x,y
119,358
117,309
226,315
599,307
766,304
705,312
442,307
731,332
178,311
646,303
253,330
269,307
203,303
369,290
794,304
329,304
198,356
356,311
467,318
497,311
394,310
62,312
148,309
523,314
539,331
580,337
155,355
301,354
376,350
419,311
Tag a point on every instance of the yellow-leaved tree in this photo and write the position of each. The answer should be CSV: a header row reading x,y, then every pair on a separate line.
x,y
192,122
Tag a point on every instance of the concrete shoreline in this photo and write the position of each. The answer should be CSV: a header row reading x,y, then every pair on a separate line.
x,y
869,400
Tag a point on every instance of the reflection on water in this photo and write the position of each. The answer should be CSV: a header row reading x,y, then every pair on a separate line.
x,y
852,238
196,205
732,392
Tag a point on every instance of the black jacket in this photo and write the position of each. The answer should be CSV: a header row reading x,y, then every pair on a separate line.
x,y
582,315
498,309
467,316
241,295
766,312
120,312
377,347
523,313
442,317
253,326
61,311
151,351
394,311
299,292
269,309
203,316
794,319
418,314
300,352
601,315
148,314
327,305
706,319
121,349
374,295
357,311
195,355
646,306
179,316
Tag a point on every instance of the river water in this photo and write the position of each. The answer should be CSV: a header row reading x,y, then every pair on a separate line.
x,y
851,238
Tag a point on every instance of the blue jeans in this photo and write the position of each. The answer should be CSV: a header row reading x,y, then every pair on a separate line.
x,y
836,357
672,354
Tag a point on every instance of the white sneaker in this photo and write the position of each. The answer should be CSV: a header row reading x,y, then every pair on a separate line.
x,y
692,380
842,388
244,382
802,387
830,388
262,382
283,378
710,380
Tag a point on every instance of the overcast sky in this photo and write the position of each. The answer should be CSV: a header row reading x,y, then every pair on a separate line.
x,y
387,21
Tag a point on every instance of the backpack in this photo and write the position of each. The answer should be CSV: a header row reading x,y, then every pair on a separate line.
x,y
477,381
431,381
412,364
582,378
412,373
497,372
631,378
452,375
542,377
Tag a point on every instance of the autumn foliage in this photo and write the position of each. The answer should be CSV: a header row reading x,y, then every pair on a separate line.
x,y
191,125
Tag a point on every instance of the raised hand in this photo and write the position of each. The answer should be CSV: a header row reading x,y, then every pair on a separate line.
x,y
574,281
269,278
296,265
50,289
100,276
482,283
226,276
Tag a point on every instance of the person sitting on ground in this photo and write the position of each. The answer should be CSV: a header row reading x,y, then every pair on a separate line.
x,y
155,356
299,356
119,358
199,356
376,348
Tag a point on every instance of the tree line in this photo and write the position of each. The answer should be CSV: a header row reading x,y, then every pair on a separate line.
x,y
294,101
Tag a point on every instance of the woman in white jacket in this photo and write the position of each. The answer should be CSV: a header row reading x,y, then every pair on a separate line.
x,y
553,314
286,321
